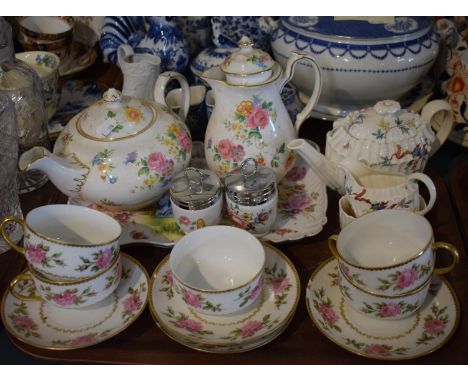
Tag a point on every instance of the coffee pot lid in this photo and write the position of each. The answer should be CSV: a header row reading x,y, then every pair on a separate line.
x,y
247,60
250,184
116,117
195,189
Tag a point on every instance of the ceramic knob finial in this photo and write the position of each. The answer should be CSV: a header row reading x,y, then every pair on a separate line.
x,y
112,95
387,107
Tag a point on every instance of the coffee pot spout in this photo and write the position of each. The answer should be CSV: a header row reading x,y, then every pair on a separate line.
x,y
324,168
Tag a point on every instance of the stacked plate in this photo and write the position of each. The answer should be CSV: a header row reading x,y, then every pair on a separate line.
x,y
246,329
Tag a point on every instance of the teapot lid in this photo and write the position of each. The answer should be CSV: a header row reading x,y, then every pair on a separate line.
x,y
250,186
116,117
384,122
247,60
195,189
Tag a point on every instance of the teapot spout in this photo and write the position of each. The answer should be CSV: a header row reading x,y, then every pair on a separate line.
x,y
325,169
67,173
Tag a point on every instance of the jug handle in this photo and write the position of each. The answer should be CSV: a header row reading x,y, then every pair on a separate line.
x,y
160,91
438,115
289,72
423,178
122,52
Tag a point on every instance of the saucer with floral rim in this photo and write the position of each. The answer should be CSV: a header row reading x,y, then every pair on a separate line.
x,y
43,325
415,336
270,312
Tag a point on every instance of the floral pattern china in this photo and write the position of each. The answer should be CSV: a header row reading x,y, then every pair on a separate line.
x,y
45,326
415,336
302,207
268,315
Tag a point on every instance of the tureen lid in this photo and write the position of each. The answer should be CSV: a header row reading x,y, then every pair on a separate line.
x,y
247,60
195,189
116,117
383,122
249,184
358,27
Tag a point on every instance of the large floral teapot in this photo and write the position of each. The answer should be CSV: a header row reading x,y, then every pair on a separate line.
x,y
121,152
249,119
381,139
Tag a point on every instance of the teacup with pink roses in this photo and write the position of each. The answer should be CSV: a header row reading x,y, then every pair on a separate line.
x,y
389,253
218,270
67,242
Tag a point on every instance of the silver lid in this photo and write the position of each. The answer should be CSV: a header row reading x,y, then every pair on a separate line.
x,y
250,185
195,189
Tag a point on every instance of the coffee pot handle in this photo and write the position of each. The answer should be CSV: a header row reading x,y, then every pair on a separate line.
x,y
160,91
438,115
4,232
289,72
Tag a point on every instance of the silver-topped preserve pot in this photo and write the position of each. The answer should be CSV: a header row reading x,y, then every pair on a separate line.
x,y
252,197
196,199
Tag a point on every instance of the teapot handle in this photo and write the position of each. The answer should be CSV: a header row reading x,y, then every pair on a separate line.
x,y
122,52
438,115
160,91
289,71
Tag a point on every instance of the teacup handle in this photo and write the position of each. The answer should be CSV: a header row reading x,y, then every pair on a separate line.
x,y
4,233
160,91
430,186
450,249
332,245
16,280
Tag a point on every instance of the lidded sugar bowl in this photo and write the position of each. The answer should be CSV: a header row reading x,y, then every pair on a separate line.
x,y
196,199
252,197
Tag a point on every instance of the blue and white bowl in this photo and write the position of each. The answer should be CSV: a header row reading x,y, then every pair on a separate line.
x,y
361,62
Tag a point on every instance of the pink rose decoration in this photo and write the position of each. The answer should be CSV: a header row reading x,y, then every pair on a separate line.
x,y
132,303
185,142
328,314
407,277
390,310
225,148
23,322
296,173
376,349
83,340
36,254
238,153
279,284
169,277
122,217
184,220
65,298
104,258
296,203
156,162
190,325
258,118
258,288
250,328
192,299
434,326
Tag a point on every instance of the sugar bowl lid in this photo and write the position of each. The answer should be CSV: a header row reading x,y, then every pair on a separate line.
x,y
116,117
250,184
247,60
195,189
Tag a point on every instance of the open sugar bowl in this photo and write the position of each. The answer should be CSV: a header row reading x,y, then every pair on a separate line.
x,y
218,270
196,199
69,293
389,252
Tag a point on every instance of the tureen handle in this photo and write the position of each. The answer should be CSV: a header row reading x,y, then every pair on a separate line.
x,y
289,72
438,115
160,91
